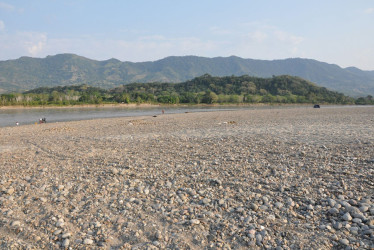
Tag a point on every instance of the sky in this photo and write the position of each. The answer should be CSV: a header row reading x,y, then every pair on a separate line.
x,y
334,31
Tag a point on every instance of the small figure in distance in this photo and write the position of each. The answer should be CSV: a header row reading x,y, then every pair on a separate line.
x,y
316,106
163,111
17,123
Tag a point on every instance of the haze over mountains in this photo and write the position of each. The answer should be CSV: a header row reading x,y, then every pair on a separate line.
x,y
28,73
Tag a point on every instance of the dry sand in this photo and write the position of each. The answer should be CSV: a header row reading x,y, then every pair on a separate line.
x,y
288,178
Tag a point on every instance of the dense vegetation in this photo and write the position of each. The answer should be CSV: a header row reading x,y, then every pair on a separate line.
x,y
28,73
205,89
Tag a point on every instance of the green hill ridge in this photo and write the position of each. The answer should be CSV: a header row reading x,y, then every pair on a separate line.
x,y
28,73
204,89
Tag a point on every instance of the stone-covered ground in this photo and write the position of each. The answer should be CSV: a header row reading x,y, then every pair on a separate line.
x,y
282,178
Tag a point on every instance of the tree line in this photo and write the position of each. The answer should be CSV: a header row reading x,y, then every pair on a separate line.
x,y
204,89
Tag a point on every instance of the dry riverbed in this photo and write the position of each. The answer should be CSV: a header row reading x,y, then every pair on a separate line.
x,y
295,178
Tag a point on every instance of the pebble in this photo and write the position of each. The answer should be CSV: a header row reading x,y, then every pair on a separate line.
x,y
15,223
334,211
194,222
206,201
66,243
278,205
66,235
258,239
331,202
57,232
60,223
347,217
10,191
88,241
338,225
254,207
344,242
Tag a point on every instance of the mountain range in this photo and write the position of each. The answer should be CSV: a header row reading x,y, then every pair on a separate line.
x,y
28,73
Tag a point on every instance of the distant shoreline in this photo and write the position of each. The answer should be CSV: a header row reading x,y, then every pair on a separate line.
x,y
148,105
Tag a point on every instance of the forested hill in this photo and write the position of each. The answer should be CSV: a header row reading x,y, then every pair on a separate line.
x,y
203,89
28,73
277,89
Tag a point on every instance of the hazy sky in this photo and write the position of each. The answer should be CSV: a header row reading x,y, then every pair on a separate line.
x,y
333,31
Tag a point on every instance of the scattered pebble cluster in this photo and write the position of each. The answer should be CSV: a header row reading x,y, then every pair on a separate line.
x,y
295,178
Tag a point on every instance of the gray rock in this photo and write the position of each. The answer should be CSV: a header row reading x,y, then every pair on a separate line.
x,y
194,222
65,243
356,220
354,230
205,201
364,209
259,239
57,232
337,225
290,202
344,242
345,204
333,211
278,205
331,202
88,241
66,235
240,209
215,182
347,217
60,223
254,207
15,223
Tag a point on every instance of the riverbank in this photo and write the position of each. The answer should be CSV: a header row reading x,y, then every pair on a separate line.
x,y
147,105
291,178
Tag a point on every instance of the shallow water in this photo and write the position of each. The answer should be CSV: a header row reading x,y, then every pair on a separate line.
x,y
9,117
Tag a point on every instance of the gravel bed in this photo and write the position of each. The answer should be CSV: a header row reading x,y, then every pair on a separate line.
x,y
299,178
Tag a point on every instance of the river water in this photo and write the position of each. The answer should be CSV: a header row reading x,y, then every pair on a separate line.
x,y
9,117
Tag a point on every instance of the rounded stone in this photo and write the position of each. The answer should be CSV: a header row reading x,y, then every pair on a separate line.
x,y
344,242
347,217
278,205
10,191
364,208
66,235
65,243
194,222
337,225
333,210
206,201
254,207
88,242
15,223
331,202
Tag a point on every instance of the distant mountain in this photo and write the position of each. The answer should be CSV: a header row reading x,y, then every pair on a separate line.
x,y
28,73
